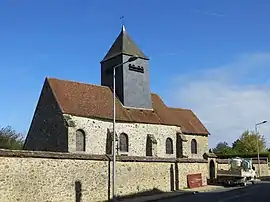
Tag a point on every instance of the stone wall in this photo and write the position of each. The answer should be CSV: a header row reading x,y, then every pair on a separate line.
x,y
46,176
202,145
186,168
96,137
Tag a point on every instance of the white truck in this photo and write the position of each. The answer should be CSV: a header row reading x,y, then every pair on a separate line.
x,y
240,172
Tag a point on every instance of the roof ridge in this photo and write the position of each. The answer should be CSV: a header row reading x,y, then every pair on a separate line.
x,y
54,94
84,83
179,108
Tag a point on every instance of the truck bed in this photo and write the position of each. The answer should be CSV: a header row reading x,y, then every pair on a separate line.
x,y
234,173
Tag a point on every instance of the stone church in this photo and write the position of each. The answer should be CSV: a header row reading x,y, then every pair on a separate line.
x,y
77,117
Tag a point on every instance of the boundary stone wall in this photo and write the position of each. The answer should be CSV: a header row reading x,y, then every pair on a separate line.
x,y
34,176
49,176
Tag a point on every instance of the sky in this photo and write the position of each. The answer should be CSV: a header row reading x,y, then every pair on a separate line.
x,y
209,56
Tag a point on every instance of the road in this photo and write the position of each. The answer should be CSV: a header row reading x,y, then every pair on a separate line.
x,y
259,192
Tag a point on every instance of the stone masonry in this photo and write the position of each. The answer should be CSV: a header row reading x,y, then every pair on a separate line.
x,y
64,177
46,176
96,137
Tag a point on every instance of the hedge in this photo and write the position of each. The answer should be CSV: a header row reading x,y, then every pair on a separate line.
x,y
254,155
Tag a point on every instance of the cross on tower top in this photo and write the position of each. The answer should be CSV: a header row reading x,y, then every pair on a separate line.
x,y
123,26
122,19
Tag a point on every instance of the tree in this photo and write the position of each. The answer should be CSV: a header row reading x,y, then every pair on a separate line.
x,y
223,148
247,143
10,139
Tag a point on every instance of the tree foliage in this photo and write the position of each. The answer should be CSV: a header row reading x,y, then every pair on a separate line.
x,y
10,139
223,148
245,144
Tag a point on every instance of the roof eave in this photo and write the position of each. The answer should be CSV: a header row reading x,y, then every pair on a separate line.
x,y
123,53
195,133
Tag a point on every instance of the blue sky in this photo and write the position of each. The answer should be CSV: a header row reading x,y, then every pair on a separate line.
x,y
193,46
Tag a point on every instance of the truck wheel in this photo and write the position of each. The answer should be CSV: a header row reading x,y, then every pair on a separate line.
x,y
244,184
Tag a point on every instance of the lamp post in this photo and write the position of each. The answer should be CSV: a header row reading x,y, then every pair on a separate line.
x,y
258,148
131,59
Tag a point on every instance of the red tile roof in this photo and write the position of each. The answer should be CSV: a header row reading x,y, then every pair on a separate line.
x,y
86,100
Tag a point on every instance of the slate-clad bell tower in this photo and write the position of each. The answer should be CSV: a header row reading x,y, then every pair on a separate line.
x,y
132,79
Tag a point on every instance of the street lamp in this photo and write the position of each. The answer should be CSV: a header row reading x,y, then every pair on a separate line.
x,y
131,59
258,148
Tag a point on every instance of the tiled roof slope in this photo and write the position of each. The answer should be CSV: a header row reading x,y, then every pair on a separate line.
x,y
86,100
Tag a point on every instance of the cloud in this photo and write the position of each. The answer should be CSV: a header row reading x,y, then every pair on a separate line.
x,y
215,14
228,99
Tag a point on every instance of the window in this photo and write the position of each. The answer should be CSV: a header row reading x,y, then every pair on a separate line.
x,y
123,142
80,140
193,146
169,146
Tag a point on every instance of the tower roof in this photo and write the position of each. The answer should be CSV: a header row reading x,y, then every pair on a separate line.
x,y
124,45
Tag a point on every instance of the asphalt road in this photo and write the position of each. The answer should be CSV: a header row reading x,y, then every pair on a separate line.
x,y
259,192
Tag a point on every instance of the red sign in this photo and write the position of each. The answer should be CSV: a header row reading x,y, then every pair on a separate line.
x,y
194,180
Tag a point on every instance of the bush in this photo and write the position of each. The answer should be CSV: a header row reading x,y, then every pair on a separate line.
x,y
10,139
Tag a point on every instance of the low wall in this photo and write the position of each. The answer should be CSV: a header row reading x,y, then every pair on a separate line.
x,y
63,177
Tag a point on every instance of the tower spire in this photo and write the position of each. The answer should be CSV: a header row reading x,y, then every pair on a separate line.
x,y
133,85
124,45
123,25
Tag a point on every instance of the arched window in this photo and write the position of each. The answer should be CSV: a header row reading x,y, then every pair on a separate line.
x,y
123,142
193,146
80,140
169,146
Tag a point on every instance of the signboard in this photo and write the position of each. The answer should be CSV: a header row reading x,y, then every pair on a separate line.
x,y
194,180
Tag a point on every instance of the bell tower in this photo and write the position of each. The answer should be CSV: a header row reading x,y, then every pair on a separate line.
x,y
132,79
